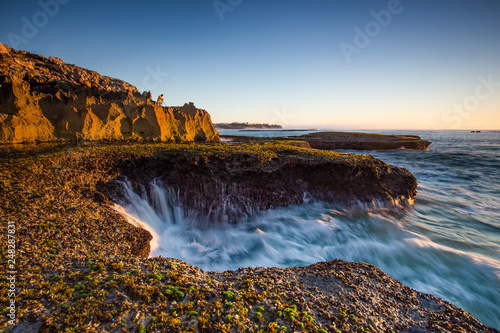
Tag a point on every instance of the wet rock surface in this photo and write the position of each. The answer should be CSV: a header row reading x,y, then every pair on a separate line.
x,y
83,268
225,183
364,141
349,140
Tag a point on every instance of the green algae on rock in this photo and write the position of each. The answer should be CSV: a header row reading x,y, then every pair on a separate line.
x,y
227,182
82,268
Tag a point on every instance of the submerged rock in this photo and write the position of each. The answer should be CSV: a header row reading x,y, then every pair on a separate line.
x,y
46,100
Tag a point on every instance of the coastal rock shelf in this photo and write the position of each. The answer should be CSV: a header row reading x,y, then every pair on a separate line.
x,y
48,100
350,140
85,268
227,182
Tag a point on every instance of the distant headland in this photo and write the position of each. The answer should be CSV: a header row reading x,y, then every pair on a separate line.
x,y
236,125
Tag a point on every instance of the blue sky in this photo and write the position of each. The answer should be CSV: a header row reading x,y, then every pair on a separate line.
x,y
421,65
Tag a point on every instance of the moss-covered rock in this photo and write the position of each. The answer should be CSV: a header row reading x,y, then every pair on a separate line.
x,y
79,270
225,182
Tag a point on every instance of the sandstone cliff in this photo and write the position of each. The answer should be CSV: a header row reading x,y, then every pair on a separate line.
x,y
46,99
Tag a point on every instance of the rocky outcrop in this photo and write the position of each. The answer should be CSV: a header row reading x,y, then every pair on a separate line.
x,y
79,271
46,100
350,140
364,141
226,183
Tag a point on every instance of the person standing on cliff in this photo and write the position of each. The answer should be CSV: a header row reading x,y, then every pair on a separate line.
x,y
160,100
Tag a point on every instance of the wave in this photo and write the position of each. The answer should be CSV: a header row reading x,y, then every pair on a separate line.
x,y
407,240
478,259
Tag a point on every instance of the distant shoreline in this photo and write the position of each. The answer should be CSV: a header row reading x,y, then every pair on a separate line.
x,y
279,130
243,126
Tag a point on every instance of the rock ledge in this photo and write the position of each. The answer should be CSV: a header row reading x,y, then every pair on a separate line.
x,y
349,140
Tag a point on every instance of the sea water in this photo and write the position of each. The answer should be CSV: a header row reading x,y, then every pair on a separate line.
x,y
447,243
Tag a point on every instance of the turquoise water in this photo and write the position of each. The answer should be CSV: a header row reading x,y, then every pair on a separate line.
x,y
447,243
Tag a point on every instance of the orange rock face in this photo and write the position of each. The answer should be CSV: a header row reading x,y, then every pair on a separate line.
x,y
47,100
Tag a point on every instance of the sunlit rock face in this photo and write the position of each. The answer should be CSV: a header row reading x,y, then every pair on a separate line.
x,y
46,100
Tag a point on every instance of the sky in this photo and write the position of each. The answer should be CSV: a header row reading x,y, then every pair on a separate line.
x,y
339,64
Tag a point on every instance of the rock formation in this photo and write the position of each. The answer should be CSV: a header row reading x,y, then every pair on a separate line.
x,y
46,100
363,141
226,184
349,140
79,271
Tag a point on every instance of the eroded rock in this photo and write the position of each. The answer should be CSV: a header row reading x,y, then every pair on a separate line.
x,y
348,140
46,100
225,183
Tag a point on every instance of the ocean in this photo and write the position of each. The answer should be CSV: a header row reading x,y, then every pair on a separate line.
x,y
447,243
